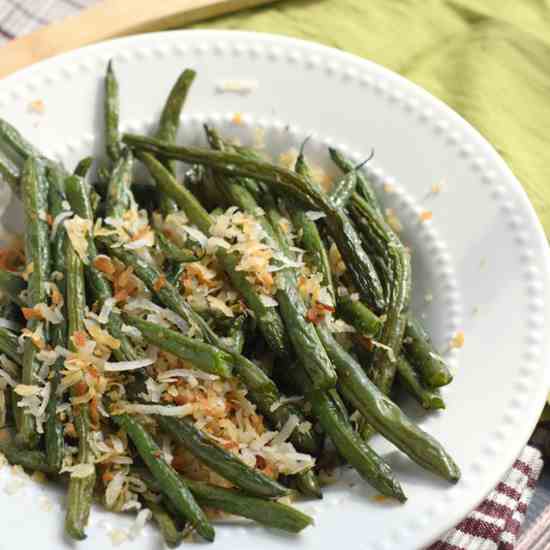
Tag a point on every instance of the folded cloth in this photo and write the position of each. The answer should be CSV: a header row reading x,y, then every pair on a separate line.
x,y
495,523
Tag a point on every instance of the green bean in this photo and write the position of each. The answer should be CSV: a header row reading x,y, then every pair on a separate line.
x,y
304,336
302,333
364,187
12,284
310,238
307,484
384,360
96,204
16,411
9,345
419,351
83,167
99,285
174,271
168,185
368,464
80,494
31,460
385,416
416,344
34,188
266,512
357,314
174,252
119,198
54,430
409,379
204,356
10,175
169,124
343,188
200,182
285,181
236,334
268,319
171,485
170,533
112,114
22,148
171,113
224,463
233,164
358,262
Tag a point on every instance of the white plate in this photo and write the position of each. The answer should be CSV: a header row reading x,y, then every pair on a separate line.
x,y
483,257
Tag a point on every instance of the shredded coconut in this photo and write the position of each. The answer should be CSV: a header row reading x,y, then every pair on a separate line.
x,y
128,365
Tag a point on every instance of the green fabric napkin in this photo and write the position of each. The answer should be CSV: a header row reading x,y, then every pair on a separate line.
x,y
487,59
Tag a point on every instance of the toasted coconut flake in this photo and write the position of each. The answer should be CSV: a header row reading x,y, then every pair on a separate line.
x,y
31,313
25,390
114,488
436,188
48,313
104,264
237,119
79,338
36,107
242,87
169,375
268,301
78,230
314,215
80,471
128,365
47,357
182,410
58,221
106,310
457,341
196,235
159,283
286,430
426,215
101,336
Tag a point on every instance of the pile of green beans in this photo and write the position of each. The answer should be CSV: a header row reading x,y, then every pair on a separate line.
x,y
269,350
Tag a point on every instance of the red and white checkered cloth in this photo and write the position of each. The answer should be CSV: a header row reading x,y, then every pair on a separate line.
x,y
495,524
18,17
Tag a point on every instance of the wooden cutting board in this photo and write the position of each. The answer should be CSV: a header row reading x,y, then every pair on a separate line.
x,y
109,19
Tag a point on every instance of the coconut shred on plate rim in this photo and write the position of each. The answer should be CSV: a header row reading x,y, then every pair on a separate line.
x,y
480,265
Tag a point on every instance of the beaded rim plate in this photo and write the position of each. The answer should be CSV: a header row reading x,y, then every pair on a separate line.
x,y
480,257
